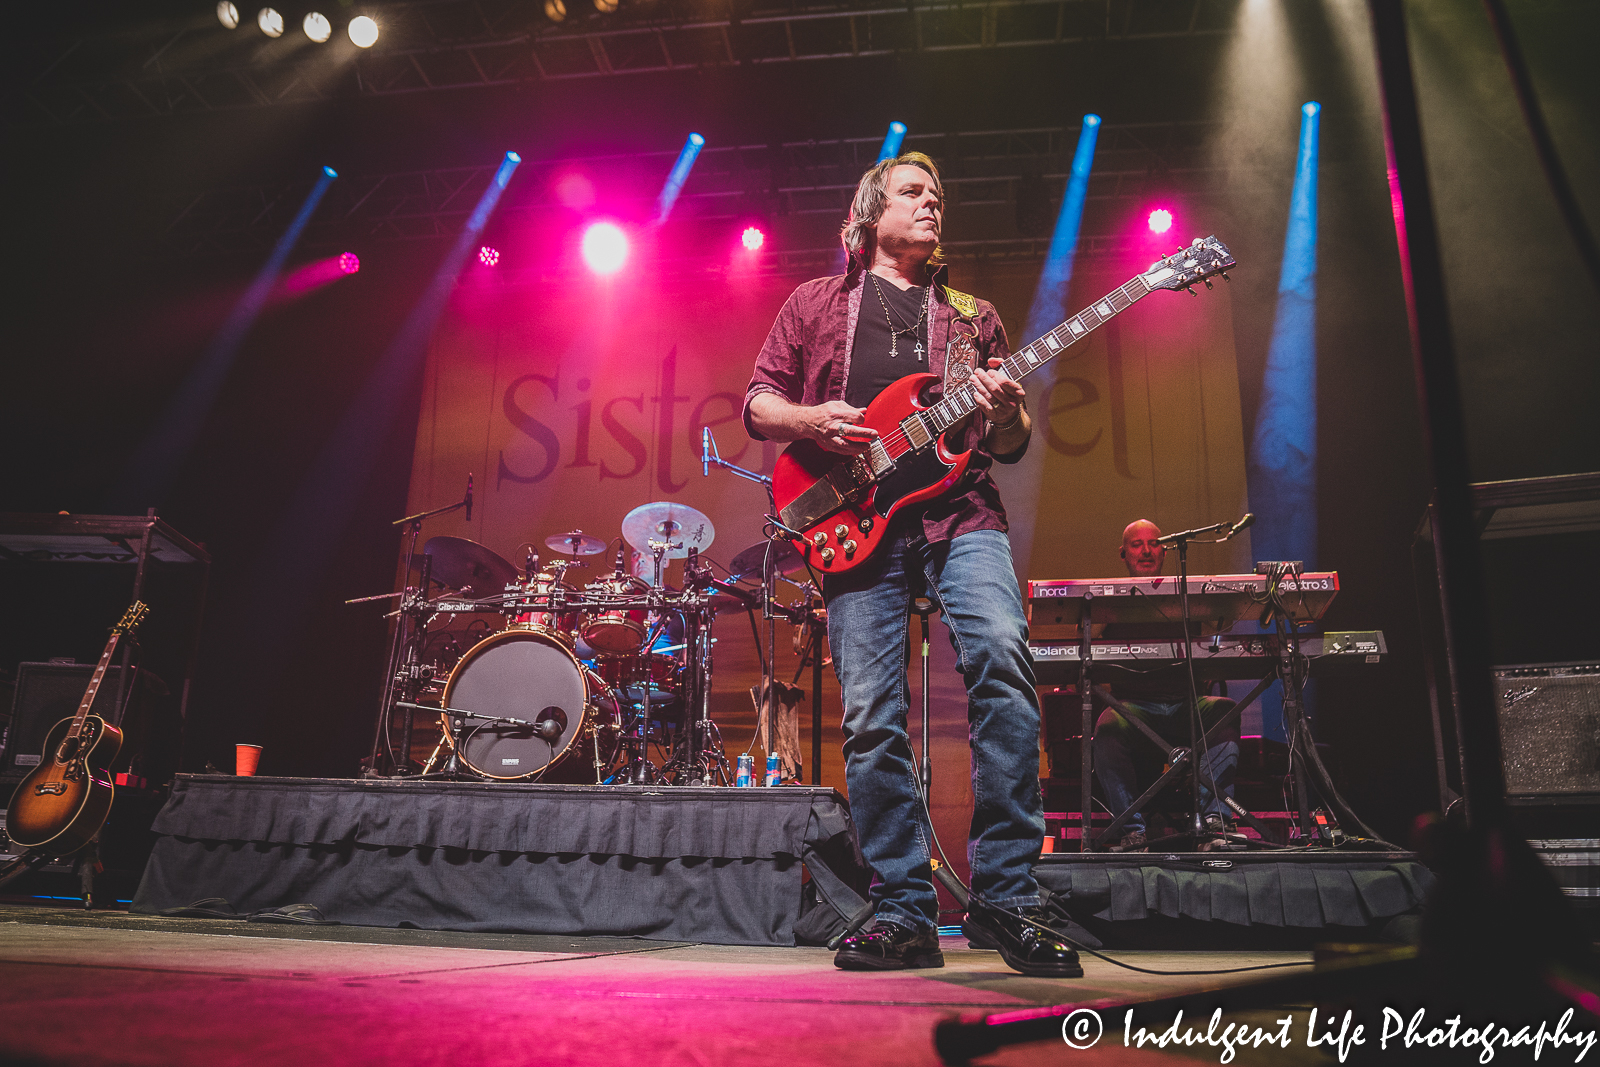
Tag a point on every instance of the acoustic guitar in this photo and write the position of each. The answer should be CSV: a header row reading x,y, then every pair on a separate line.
x,y
61,805
840,505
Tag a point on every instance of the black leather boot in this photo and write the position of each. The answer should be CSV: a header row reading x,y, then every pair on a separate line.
x,y
1024,947
888,946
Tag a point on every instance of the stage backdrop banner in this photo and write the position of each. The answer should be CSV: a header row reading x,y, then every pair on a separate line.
x,y
574,401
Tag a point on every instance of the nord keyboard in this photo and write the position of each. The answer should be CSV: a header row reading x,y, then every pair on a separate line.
x,y
1216,601
1219,658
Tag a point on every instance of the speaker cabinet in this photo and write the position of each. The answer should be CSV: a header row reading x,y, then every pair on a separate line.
x,y
46,693
1550,728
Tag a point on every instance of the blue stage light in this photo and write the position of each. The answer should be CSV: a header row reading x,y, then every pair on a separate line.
x,y
1283,455
1283,449
348,458
1050,298
892,141
679,175
153,466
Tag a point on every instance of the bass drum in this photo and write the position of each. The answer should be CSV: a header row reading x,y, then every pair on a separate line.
x,y
529,675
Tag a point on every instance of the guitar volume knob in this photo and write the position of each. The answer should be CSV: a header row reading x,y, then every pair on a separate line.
x,y
819,538
827,555
849,547
841,530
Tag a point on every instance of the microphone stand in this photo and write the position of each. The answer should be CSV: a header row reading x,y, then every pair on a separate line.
x,y
770,611
709,458
406,645
1197,733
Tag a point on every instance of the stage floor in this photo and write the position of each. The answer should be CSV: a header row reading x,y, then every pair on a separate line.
x,y
110,988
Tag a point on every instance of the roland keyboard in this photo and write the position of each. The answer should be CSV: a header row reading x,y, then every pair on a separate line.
x,y
1219,658
1216,601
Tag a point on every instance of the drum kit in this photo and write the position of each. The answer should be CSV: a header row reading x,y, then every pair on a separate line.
x,y
578,681
581,680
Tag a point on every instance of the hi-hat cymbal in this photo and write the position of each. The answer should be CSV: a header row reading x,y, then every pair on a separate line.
x,y
786,559
463,564
679,524
575,543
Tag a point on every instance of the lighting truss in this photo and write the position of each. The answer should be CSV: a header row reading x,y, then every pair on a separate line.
x,y
777,182
434,45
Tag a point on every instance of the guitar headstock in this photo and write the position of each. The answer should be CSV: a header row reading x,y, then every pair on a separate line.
x,y
1197,263
132,618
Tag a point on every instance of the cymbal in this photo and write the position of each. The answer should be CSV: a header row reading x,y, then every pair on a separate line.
x,y
786,559
463,564
575,543
680,524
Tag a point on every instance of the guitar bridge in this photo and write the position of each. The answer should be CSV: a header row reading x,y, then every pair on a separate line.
x,y
846,482
50,788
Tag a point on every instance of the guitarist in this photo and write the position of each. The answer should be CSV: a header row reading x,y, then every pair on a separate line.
x,y
836,344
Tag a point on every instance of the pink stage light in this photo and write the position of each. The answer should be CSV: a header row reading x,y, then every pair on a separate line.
x,y
605,248
349,262
1160,220
753,238
488,256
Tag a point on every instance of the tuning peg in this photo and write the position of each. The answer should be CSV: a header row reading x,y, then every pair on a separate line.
x,y
1208,283
1190,289
1225,276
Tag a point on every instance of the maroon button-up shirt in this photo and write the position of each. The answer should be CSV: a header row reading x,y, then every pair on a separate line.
x,y
806,360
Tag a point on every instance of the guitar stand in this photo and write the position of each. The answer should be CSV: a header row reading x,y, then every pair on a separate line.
x,y
86,859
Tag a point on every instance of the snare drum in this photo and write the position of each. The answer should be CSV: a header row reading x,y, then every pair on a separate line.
x,y
529,603
616,631
532,676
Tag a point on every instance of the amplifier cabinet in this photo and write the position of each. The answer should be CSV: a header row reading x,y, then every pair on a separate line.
x,y
46,693
1550,728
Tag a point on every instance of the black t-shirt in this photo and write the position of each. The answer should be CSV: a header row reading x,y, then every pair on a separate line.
x,y
871,369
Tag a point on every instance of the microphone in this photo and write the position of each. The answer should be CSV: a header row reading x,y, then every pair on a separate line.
x,y
705,451
1248,520
550,724
469,498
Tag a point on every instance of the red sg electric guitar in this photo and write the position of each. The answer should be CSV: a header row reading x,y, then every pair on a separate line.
x,y
841,505
60,806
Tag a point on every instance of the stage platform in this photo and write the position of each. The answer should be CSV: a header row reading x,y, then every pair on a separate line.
x,y
713,865
1268,899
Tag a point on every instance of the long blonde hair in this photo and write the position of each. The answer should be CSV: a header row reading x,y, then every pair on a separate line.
x,y
872,197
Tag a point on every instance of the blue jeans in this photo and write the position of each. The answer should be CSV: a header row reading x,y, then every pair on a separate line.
x,y
971,579
1123,759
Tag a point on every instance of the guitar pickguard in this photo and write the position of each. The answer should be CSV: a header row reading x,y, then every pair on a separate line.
x,y
914,473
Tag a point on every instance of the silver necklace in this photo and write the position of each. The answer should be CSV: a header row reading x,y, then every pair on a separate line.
x,y
894,334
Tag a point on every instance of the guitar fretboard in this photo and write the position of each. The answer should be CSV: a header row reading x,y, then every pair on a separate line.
x,y
94,685
922,427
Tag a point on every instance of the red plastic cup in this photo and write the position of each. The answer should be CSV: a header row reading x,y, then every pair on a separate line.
x,y
246,759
